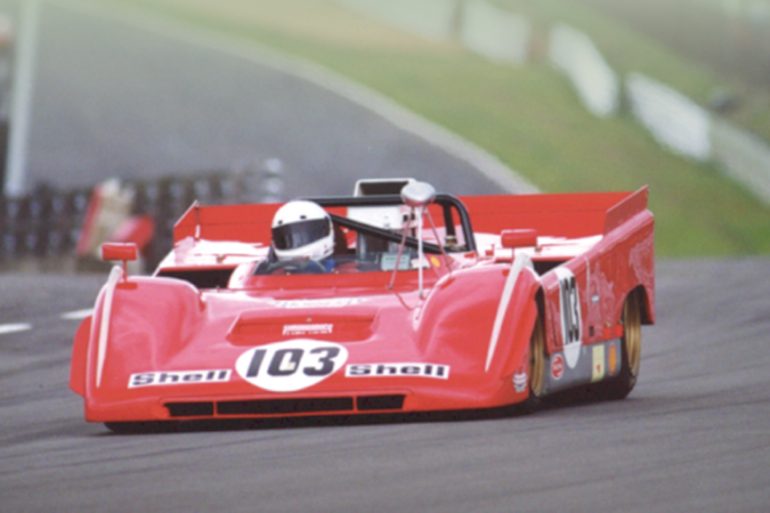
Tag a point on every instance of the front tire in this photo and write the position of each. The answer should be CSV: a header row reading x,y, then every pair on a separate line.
x,y
537,368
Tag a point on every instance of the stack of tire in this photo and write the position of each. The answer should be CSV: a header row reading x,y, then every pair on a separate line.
x,y
40,225
49,225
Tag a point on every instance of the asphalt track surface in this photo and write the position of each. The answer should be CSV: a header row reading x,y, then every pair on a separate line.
x,y
113,99
693,436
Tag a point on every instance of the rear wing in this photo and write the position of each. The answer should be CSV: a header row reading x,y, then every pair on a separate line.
x,y
244,223
573,215
625,209
560,215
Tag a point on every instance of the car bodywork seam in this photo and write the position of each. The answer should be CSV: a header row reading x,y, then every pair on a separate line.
x,y
104,325
521,262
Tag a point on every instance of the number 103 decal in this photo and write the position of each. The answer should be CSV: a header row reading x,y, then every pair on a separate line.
x,y
291,365
571,323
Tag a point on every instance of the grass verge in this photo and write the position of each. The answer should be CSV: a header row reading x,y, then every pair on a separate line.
x,y
527,116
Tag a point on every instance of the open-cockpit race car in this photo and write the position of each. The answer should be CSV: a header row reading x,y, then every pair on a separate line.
x,y
432,303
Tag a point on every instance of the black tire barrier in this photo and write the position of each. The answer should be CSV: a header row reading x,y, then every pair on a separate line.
x,y
44,223
167,199
48,222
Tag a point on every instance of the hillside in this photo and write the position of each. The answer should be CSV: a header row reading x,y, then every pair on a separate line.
x,y
528,116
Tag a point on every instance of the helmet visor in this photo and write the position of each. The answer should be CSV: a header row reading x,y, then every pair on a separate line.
x,y
296,235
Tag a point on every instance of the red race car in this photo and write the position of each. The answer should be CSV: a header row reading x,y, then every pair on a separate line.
x,y
393,300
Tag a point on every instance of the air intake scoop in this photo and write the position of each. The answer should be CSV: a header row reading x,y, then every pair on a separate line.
x,y
264,326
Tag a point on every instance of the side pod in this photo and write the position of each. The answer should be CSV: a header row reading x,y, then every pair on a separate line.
x,y
79,354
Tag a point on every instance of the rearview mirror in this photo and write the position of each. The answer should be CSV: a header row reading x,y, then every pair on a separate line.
x,y
522,238
114,251
418,194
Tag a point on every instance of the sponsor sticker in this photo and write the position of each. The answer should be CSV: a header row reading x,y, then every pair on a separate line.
x,y
520,381
569,309
307,329
557,366
597,371
172,378
612,359
397,369
291,365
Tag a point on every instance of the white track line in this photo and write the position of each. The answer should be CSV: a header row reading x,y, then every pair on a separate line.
x,y
406,120
77,315
14,328
18,327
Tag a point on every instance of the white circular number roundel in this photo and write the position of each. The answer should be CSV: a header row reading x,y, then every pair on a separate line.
x,y
291,365
569,308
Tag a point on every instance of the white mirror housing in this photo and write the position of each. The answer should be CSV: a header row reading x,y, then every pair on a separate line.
x,y
418,194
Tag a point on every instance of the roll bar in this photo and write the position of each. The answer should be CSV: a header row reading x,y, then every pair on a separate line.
x,y
446,201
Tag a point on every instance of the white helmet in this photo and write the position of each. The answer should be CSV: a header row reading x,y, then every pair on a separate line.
x,y
302,230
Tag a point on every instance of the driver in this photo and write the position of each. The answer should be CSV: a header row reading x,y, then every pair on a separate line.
x,y
303,239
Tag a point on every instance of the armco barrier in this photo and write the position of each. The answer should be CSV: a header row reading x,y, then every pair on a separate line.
x,y
575,55
431,19
46,225
494,33
744,157
673,119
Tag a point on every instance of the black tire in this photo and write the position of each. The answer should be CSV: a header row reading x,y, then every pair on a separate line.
x,y
537,368
631,352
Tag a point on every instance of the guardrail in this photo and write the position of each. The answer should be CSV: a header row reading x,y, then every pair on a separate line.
x,y
495,33
676,122
575,55
44,229
744,156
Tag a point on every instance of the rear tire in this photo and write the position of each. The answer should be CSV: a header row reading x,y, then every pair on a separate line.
x,y
631,351
537,368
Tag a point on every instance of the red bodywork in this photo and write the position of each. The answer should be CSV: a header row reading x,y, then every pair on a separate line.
x,y
241,345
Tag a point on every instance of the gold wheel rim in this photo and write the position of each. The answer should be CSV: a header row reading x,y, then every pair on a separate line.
x,y
537,360
633,334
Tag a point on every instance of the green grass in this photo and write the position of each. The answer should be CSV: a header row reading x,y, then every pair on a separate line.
x,y
698,54
527,116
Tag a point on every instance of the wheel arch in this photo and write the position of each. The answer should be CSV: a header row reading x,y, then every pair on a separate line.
x,y
645,302
540,311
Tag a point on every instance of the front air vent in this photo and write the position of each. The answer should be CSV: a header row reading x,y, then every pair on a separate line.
x,y
204,409
285,406
260,407
380,402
